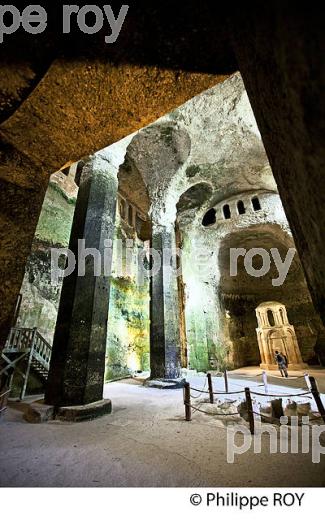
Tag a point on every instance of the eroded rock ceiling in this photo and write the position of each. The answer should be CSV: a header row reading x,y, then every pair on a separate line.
x,y
205,150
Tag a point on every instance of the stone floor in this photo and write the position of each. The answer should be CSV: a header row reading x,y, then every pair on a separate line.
x,y
145,442
317,372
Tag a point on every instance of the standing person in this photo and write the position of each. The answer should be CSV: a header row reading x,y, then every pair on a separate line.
x,y
281,364
285,359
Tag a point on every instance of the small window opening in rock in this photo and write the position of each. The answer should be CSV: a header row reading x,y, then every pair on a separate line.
x,y
270,317
130,216
226,211
209,218
241,207
256,204
122,209
282,316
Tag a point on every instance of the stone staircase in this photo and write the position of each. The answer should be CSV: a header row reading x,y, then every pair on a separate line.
x,y
25,350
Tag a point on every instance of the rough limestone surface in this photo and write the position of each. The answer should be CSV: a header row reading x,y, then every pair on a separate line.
x,y
201,157
128,316
71,109
204,155
275,75
128,334
40,297
39,412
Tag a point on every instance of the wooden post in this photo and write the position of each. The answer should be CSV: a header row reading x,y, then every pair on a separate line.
x,y
264,377
210,387
250,410
318,401
306,376
187,401
225,375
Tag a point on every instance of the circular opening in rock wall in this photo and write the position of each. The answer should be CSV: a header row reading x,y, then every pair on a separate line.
x,y
209,218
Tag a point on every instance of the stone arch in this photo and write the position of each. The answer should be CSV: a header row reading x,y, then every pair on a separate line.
x,y
209,218
241,294
226,212
193,201
282,316
270,317
256,203
158,151
241,207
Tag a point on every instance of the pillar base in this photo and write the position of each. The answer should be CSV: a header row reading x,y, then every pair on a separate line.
x,y
166,384
291,367
38,412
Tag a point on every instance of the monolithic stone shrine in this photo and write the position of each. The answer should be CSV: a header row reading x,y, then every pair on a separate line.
x,y
274,332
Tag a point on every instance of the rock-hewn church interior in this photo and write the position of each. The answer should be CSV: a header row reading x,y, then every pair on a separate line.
x,y
161,210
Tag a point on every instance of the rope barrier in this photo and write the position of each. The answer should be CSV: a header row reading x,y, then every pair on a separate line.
x,y
214,414
229,393
200,391
243,391
281,395
218,393
248,392
269,419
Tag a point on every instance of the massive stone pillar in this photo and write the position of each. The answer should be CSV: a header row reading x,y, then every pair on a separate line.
x,y
77,366
279,57
165,345
181,301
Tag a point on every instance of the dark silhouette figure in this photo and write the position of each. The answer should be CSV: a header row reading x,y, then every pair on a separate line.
x,y
282,363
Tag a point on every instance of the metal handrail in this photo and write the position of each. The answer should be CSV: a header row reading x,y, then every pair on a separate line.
x,y
2,396
42,347
25,338
19,338
30,346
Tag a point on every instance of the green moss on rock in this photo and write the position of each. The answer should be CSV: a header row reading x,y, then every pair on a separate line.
x,y
54,225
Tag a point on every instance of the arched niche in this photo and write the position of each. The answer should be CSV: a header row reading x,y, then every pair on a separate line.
x,y
274,333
